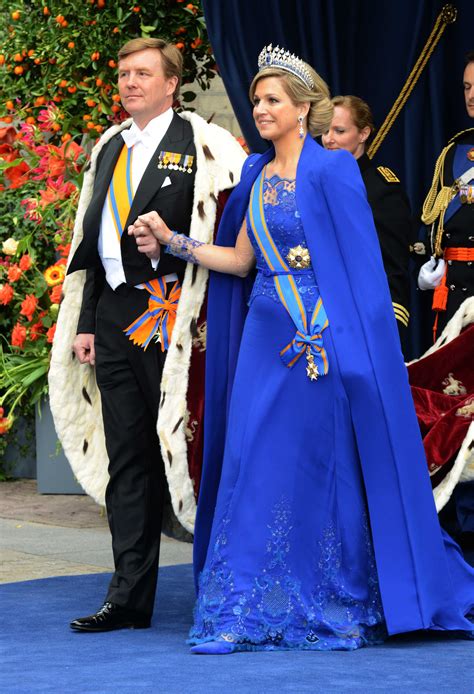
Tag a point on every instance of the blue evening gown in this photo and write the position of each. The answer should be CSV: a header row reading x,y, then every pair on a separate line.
x,y
290,563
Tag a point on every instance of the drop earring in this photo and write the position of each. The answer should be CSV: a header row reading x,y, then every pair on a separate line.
x,y
300,130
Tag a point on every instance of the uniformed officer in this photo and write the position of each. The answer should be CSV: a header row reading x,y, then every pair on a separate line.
x,y
351,128
449,209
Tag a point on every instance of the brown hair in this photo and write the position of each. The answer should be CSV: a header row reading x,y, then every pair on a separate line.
x,y
171,58
360,112
320,107
469,57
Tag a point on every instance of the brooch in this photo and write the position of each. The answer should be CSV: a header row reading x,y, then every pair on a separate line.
x,y
176,161
299,258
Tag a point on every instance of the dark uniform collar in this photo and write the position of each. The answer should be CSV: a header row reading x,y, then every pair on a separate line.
x,y
364,163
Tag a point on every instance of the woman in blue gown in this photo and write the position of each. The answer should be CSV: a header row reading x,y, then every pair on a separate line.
x,y
316,525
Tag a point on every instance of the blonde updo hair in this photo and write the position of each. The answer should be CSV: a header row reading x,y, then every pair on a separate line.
x,y
359,110
321,109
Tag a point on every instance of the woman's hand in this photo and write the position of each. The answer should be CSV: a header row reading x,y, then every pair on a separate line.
x,y
151,224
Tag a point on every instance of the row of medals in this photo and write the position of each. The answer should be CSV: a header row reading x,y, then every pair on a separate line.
x,y
176,161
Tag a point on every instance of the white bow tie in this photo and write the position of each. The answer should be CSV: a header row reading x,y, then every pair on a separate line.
x,y
133,137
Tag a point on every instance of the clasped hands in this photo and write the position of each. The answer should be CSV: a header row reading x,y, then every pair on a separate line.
x,y
149,231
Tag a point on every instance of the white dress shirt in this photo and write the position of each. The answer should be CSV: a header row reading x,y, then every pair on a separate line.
x,y
144,143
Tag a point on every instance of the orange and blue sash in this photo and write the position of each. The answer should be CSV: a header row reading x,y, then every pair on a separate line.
x,y
159,317
120,193
307,340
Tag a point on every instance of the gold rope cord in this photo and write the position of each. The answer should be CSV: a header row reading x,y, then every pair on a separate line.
x,y
447,16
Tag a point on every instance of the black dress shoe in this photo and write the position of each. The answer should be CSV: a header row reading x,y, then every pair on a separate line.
x,y
110,617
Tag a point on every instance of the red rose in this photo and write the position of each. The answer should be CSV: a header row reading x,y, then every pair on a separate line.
x,y
25,262
56,294
14,273
6,294
18,335
36,331
50,334
28,306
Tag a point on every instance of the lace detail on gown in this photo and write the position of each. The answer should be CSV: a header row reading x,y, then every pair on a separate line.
x,y
283,219
274,612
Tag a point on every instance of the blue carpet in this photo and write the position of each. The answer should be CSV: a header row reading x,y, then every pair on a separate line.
x,y
40,654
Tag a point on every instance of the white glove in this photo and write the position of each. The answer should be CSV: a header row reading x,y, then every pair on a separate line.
x,y
431,273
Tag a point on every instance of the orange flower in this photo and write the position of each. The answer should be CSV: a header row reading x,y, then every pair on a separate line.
x,y
36,330
6,294
50,334
5,422
14,273
18,335
17,175
56,294
28,306
196,43
25,262
64,249
54,275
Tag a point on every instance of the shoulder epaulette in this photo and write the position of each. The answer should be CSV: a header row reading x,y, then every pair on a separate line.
x,y
460,134
388,174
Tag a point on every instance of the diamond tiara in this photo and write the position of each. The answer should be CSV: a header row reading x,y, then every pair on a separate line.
x,y
278,57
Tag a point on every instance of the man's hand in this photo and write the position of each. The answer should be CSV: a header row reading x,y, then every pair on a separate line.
x,y
151,224
83,347
146,240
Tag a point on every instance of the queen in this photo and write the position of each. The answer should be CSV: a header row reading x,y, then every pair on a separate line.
x,y
316,526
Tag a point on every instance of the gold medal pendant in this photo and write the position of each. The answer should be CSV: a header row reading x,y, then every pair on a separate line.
x,y
312,371
299,258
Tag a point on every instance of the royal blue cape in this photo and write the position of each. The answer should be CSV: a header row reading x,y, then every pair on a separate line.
x,y
415,579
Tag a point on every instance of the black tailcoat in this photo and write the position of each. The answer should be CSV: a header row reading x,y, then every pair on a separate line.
x,y
129,377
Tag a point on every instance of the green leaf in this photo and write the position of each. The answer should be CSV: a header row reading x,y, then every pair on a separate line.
x,y
147,29
188,96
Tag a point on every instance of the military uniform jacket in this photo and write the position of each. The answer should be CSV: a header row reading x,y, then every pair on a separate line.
x,y
458,231
394,225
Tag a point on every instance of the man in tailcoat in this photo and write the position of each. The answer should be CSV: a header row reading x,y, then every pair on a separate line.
x,y
149,164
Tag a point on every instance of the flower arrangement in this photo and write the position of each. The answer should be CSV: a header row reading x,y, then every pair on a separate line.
x,y
40,185
58,75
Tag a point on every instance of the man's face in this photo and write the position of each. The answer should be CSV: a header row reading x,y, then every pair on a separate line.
x,y
144,90
469,88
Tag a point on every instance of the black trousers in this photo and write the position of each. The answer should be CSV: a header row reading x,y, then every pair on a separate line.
x,y
129,382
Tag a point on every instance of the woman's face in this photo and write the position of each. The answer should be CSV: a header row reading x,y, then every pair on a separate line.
x,y
275,114
344,134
